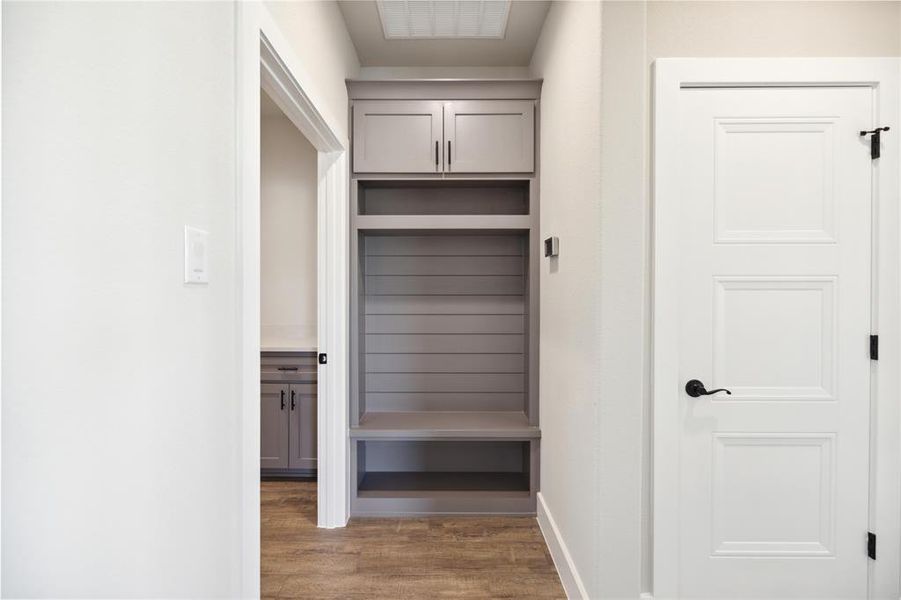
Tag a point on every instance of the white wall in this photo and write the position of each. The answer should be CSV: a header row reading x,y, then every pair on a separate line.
x,y
568,57
288,249
684,29
120,438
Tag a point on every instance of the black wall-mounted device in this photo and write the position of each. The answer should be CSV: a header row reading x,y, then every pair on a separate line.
x,y
551,246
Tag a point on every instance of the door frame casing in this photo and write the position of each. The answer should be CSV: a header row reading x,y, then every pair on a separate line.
x,y
670,77
265,60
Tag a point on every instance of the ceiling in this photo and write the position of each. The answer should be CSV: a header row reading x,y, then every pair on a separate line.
x,y
515,50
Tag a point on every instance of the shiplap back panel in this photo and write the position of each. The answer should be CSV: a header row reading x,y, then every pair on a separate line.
x,y
444,322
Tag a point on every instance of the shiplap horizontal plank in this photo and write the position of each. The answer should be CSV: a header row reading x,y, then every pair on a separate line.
x,y
445,363
444,305
424,222
444,245
444,265
444,382
444,324
463,285
444,343
437,425
448,401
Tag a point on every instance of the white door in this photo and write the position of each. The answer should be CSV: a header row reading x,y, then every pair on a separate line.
x,y
773,268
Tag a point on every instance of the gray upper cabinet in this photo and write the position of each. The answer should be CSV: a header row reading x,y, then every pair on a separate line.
x,y
489,136
273,426
397,136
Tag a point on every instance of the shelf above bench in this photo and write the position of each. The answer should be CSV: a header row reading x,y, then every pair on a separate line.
x,y
444,425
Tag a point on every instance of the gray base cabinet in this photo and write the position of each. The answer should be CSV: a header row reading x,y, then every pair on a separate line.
x,y
288,421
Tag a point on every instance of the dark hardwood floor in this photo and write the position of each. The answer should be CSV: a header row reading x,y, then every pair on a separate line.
x,y
437,557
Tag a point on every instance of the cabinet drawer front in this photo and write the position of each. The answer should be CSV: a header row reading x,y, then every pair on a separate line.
x,y
288,367
397,137
489,136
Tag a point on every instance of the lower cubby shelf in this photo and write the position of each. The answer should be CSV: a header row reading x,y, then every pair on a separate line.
x,y
393,482
463,476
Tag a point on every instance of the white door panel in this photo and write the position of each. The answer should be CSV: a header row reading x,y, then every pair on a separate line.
x,y
774,269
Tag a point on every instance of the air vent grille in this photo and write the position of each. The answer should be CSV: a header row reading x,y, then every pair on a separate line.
x,y
443,19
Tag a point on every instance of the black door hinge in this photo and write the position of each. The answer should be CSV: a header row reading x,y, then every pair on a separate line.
x,y
871,545
874,347
875,141
323,358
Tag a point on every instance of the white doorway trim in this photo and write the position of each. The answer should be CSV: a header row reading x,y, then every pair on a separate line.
x,y
264,59
881,74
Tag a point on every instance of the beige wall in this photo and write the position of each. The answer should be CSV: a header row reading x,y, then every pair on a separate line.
x,y
288,250
685,29
568,57
322,44
634,35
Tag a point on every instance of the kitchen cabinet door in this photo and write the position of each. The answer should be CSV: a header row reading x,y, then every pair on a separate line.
x,y
304,427
274,434
489,136
397,137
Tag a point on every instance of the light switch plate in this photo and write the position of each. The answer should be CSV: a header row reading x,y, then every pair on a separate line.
x,y
196,255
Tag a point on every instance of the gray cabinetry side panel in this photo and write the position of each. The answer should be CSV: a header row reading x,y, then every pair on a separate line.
x,y
397,137
304,428
489,136
274,433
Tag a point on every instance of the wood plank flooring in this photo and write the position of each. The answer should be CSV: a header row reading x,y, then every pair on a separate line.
x,y
437,557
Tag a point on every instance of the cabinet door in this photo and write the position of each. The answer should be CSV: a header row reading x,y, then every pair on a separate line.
x,y
489,136
274,426
397,137
304,427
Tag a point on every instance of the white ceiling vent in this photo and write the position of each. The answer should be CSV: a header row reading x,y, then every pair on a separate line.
x,y
447,19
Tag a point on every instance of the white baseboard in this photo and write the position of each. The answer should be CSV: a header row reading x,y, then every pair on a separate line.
x,y
569,576
646,596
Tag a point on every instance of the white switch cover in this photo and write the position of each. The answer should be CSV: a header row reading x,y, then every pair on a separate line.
x,y
196,255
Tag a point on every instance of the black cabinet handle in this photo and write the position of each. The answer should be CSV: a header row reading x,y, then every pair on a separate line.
x,y
695,388
283,399
448,153
293,400
287,368
436,155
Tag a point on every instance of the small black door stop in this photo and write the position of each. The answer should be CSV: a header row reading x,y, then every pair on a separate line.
x,y
875,141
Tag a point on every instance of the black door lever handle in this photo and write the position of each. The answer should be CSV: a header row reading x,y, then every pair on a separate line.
x,y
695,388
